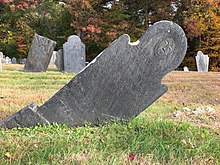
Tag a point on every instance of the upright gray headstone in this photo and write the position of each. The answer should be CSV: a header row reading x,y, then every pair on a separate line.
x,y
59,60
74,54
39,54
117,85
14,61
53,59
202,62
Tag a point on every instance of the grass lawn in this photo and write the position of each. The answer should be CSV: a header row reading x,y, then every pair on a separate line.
x,y
170,131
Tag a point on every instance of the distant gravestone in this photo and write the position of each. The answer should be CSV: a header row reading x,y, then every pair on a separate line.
x,y
185,69
202,62
1,55
117,85
39,54
74,54
3,60
59,60
14,61
53,59
23,61
7,60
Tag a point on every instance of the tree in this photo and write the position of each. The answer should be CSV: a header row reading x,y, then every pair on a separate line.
x,y
21,19
147,12
202,28
11,34
210,43
96,24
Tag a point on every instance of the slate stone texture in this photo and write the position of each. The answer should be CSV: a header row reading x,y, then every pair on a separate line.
x,y
39,54
120,82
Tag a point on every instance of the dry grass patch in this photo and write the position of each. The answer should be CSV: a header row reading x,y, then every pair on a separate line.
x,y
154,137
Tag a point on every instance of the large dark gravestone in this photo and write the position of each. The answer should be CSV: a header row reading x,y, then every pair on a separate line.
x,y
39,54
118,85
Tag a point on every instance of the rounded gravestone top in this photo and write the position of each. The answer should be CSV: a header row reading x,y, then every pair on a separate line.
x,y
200,53
74,38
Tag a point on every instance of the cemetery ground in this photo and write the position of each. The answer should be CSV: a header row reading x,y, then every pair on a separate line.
x,y
182,127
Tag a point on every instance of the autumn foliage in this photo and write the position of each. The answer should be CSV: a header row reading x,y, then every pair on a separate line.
x,y
203,23
99,22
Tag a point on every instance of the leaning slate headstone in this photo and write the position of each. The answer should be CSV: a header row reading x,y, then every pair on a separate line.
x,y
14,61
118,84
59,60
39,54
74,54
202,62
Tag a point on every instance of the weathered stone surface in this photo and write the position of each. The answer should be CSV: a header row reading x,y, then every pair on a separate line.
x,y
59,60
122,81
7,60
39,54
14,61
3,61
23,61
74,54
26,117
202,62
53,59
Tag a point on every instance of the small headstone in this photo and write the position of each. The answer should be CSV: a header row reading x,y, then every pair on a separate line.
x,y
14,61
1,55
185,69
117,85
59,60
7,60
202,62
74,54
39,54
53,59
3,60
23,61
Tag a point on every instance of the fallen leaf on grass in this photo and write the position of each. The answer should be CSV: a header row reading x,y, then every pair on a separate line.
x,y
203,135
184,142
131,157
8,155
